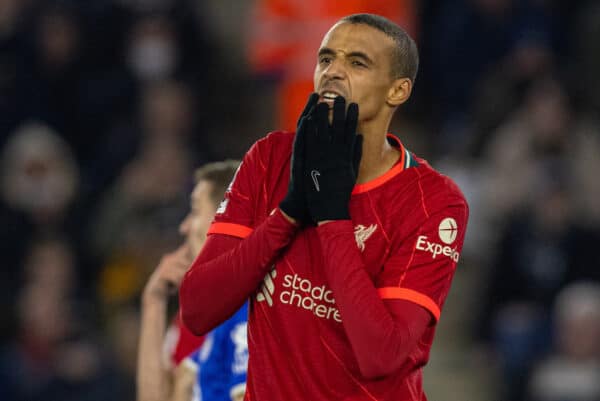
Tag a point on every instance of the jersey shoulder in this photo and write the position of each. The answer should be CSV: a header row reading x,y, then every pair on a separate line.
x,y
438,190
276,140
274,149
434,182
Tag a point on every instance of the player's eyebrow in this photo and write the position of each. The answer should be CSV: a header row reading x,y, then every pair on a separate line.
x,y
361,55
326,51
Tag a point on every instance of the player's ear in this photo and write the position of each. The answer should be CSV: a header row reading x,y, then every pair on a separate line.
x,y
399,92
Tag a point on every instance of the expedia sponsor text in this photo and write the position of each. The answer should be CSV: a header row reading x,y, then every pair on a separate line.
x,y
436,249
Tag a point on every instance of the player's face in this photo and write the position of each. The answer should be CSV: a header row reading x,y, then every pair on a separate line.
x,y
354,61
196,223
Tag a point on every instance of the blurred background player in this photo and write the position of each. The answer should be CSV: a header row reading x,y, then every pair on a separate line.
x,y
158,378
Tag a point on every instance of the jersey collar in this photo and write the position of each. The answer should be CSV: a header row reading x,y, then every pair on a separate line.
x,y
406,160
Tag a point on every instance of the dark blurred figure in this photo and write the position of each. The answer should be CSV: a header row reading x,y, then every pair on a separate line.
x,y
165,113
536,257
153,52
52,75
571,371
39,183
40,176
137,217
585,45
152,47
58,68
532,197
541,250
542,134
165,41
466,41
121,333
55,354
16,76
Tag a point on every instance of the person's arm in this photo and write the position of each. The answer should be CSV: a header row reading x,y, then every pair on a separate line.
x,y
381,334
385,324
228,271
153,378
183,382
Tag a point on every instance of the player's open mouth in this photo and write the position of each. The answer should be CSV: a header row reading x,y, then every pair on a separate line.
x,y
328,97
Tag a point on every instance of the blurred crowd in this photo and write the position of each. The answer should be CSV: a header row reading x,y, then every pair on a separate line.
x,y
107,106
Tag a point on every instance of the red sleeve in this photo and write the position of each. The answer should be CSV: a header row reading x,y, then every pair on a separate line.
x,y
186,341
383,334
239,250
228,271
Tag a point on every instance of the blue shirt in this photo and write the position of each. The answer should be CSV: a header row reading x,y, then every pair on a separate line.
x,y
222,360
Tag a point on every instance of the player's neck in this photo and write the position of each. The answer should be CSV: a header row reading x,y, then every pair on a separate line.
x,y
378,156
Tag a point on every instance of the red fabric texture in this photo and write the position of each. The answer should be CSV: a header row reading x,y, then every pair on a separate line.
x,y
227,272
187,342
347,310
381,335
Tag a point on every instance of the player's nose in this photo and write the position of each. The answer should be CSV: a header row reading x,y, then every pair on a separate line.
x,y
335,70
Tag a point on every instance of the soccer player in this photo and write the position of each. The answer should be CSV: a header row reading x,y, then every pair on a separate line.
x,y
156,380
345,241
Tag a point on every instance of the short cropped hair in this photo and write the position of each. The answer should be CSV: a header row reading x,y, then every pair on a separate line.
x,y
405,56
220,174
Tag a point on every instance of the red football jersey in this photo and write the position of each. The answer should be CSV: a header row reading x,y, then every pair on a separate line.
x,y
409,225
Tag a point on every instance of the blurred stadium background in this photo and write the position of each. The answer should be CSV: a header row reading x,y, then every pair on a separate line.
x,y
107,106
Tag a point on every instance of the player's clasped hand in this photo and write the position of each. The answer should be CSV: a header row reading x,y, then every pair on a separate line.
x,y
324,163
332,157
294,203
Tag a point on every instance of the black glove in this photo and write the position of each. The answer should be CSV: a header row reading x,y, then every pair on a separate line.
x,y
294,203
333,153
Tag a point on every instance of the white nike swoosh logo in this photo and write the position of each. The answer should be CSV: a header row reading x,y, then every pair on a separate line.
x,y
314,174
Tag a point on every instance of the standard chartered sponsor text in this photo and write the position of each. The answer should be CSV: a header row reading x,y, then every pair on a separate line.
x,y
301,293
